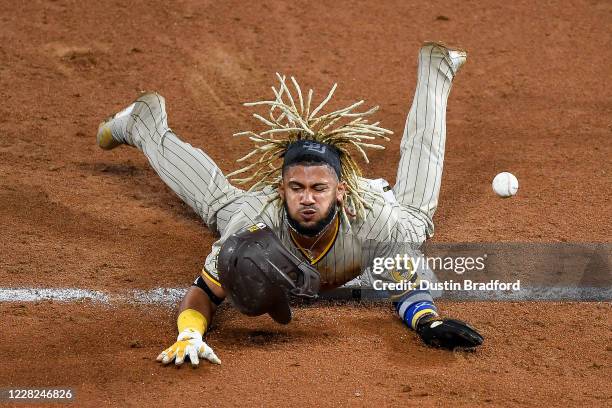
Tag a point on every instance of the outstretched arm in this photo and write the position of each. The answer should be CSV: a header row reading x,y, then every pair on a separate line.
x,y
417,310
203,296
195,314
401,277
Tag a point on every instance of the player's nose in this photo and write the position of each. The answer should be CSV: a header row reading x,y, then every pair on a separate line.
x,y
307,198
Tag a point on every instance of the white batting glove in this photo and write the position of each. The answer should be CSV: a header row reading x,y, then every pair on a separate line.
x,y
188,343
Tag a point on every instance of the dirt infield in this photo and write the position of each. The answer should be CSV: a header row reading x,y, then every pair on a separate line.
x,y
332,356
533,99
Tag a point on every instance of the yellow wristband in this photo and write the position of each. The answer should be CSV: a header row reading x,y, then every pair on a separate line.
x,y
420,314
191,319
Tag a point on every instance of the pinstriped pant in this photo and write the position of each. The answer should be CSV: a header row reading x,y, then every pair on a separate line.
x,y
194,176
422,146
187,170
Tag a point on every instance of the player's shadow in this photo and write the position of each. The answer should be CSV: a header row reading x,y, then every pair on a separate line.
x,y
258,337
116,169
142,185
266,337
238,330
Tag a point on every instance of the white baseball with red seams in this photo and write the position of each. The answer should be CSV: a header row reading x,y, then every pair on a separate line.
x,y
505,184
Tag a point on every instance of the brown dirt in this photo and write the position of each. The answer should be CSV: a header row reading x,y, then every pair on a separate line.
x,y
336,355
533,99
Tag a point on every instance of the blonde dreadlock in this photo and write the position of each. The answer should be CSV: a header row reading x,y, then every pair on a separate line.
x,y
289,122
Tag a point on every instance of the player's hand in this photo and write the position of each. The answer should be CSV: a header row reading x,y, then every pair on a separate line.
x,y
447,333
188,343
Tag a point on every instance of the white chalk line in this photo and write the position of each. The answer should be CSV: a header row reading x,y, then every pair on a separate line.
x,y
162,296
171,296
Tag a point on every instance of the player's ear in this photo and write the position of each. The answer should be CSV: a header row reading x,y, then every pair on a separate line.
x,y
281,190
341,192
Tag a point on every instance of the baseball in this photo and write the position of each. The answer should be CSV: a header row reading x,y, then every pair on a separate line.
x,y
505,184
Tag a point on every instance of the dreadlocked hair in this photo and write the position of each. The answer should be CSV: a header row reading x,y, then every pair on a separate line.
x,y
291,120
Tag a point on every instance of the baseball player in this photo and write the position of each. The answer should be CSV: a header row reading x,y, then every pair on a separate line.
x,y
310,221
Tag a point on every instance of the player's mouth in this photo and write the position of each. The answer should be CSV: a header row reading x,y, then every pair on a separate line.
x,y
308,214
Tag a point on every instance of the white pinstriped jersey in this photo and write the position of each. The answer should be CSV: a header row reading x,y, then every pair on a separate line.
x,y
389,228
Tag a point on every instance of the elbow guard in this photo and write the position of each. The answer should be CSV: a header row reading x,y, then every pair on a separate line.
x,y
199,282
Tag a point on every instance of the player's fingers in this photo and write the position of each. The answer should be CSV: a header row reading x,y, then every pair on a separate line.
x,y
180,355
193,356
208,353
163,354
168,354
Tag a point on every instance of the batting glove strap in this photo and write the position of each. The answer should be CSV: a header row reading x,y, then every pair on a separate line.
x,y
447,333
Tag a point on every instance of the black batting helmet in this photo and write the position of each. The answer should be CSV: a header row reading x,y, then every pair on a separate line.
x,y
259,274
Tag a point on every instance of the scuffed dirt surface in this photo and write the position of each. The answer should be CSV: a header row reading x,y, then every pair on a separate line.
x,y
533,99
557,354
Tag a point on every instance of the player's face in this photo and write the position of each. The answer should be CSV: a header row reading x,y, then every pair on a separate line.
x,y
309,193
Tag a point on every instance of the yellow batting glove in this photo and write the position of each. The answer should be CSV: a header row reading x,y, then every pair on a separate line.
x,y
192,325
